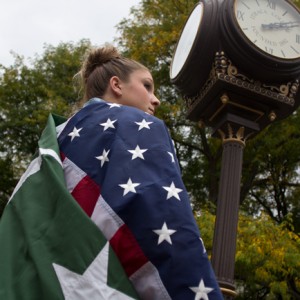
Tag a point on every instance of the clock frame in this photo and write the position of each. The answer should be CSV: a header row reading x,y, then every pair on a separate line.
x,y
200,54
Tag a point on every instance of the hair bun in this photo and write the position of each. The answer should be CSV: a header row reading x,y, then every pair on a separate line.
x,y
97,57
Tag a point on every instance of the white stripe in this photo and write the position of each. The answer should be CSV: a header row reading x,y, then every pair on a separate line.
x,y
34,167
148,283
60,128
106,219
50,152
73,174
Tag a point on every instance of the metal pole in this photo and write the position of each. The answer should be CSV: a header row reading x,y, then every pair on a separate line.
x,y
224,243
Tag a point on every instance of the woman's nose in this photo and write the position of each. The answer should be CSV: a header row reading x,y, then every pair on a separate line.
x,y
155,101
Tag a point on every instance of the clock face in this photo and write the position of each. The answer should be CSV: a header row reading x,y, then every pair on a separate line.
x,y
186,40
271,25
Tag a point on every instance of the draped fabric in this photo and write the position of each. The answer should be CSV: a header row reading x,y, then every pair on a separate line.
x,y
102,213
121,167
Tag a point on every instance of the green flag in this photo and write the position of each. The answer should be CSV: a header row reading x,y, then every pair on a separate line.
x,y
49,248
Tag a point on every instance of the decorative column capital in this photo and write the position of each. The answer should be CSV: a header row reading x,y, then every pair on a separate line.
x,y
231,136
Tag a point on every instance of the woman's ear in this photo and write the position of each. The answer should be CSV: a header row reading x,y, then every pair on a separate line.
x,y
115,85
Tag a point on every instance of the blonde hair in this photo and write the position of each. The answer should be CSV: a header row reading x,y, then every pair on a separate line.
x,y
100,65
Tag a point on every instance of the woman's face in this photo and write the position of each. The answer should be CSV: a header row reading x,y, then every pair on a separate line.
x,y
138,91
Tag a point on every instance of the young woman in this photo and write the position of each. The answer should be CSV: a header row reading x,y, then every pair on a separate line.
x,y
141,204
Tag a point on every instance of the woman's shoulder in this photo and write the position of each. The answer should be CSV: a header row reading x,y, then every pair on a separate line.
x,y
132,112
123,112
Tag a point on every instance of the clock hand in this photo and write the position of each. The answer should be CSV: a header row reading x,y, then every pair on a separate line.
x,y
282,25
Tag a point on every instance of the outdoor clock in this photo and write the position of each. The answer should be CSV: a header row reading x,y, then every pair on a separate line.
x,y
262,37
194,52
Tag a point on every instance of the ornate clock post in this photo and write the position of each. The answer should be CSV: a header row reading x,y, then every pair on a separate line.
x,y
237,63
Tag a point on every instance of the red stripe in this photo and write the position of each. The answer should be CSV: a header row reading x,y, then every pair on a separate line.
x,y
62,156
128,251
86,193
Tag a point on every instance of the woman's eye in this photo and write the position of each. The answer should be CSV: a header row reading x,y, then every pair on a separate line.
x,y
148,86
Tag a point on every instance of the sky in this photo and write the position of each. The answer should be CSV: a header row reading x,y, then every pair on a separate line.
x,y
27,25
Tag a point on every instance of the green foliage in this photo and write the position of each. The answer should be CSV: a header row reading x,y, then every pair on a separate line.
x,y
27,95
267,258
206,224
7,181
271,177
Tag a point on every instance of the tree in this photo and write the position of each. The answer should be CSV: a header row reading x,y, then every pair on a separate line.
x,y
267,259
27,95
271,178
7,180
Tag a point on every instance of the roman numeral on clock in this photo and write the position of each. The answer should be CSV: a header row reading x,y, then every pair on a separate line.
x,y
240,15
296,51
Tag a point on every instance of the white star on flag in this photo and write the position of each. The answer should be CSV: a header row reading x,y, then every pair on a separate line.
x,y
201,291
164,234
111,105
108,124
129,187
143,124
173,191
137,152
172,157
74,133
92,282
104,157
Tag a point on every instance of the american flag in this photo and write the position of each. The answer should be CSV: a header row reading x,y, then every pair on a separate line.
x,y
120,166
